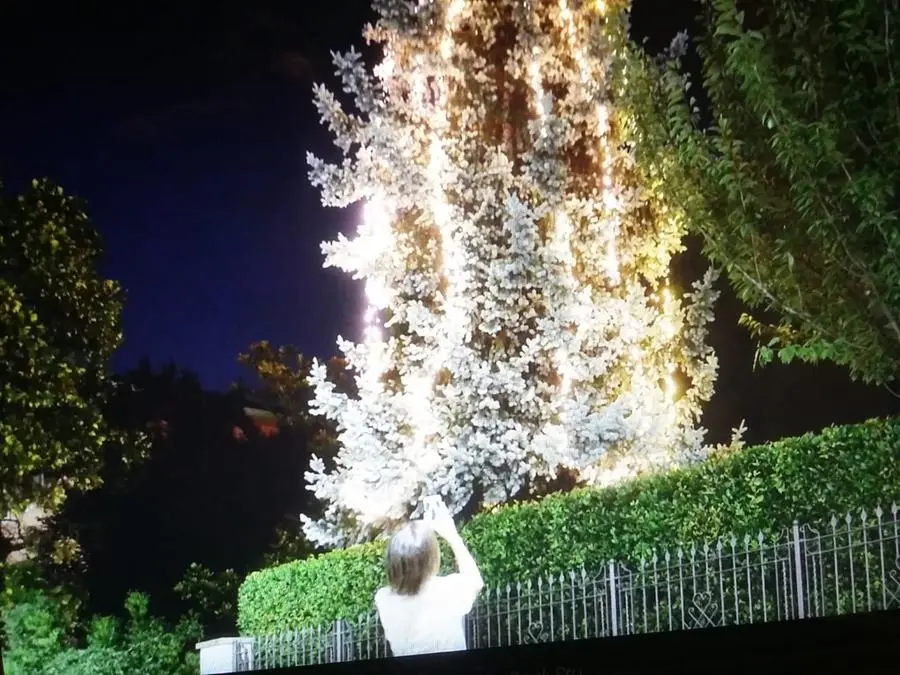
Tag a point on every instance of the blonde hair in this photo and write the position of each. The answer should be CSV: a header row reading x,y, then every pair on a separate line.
x,y
413,557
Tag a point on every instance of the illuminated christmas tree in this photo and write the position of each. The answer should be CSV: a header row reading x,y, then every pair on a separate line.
x,y
515,258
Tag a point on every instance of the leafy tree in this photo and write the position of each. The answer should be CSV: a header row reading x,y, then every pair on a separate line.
x,y
59,326
793,181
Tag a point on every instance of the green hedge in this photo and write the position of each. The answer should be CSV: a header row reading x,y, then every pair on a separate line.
x,y
761,488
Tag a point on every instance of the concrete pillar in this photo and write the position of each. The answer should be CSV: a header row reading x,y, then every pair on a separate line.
x,y
226,655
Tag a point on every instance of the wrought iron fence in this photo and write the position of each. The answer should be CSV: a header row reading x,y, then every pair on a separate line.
x,y
848,564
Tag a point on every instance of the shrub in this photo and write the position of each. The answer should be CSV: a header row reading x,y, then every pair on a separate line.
x,y
34,634
37,643
761,488
211,597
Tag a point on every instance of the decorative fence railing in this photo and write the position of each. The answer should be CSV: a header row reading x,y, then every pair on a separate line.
x,y
849,564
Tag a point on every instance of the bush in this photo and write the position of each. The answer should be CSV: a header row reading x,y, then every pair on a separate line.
x,y
211,597
37,643
761,488
34,634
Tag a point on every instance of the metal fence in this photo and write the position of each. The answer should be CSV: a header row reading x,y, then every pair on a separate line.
x,y
846,565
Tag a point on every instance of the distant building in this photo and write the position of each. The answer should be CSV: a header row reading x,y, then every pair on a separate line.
x,y
266,423
15,528
158,430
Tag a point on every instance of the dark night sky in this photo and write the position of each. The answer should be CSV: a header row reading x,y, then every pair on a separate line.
x,y
186,130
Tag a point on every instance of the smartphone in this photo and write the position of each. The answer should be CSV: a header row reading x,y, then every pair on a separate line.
x,y
431,506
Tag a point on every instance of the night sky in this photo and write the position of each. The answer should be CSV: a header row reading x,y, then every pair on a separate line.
x,y
186,130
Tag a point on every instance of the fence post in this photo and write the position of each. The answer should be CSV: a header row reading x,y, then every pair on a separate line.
x,y
798,572
339,640
613,599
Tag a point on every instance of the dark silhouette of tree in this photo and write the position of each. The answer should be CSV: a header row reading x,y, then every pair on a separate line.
x,y
281,378
205,494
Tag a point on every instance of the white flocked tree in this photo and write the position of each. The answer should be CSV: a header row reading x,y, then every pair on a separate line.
x,y
515,259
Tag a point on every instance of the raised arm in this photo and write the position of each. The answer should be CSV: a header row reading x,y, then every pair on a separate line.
x,y
464,560
443,525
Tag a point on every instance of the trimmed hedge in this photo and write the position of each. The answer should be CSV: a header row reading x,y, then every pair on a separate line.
x,y
761,488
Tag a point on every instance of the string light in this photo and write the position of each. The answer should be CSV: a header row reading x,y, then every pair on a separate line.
x,y
669,330
420,389
612,225
375,227
609,199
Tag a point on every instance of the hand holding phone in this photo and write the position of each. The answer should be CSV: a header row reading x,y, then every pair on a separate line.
x,y
438,515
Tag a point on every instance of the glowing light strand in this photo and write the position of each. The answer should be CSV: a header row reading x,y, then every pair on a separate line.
x,y
667,305
561,241
375,227
420,389
610,201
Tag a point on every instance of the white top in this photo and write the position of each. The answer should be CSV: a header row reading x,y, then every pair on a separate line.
x,y
430,621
